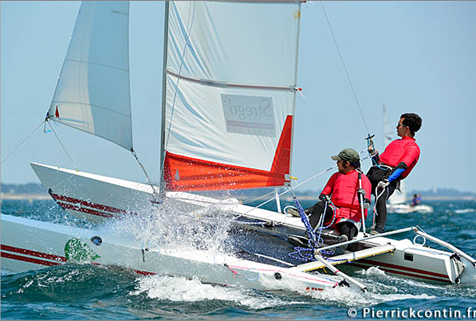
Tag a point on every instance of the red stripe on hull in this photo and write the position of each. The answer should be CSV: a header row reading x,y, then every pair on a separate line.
x,y
144,272
84,210
29,259
33,253
199,175
59,259
418,276
399,267
90,204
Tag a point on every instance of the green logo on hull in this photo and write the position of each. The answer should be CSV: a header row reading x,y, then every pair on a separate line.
x,y
77,251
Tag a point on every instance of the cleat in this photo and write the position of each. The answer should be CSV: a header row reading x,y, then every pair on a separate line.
x,y
293,212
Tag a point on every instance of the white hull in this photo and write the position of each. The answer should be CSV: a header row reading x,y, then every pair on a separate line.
x,y
96,198
85,195
29,245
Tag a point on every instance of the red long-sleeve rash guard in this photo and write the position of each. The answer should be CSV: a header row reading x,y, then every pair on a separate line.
x,y
343,188
403,150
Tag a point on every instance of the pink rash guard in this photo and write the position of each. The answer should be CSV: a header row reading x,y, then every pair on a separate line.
x,y
343,188
403,150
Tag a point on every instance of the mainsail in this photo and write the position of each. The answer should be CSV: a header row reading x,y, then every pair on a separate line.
x,y
388,130
93,92
231,77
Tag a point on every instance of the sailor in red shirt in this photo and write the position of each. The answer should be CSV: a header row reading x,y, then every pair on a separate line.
x,y
395,163
343,190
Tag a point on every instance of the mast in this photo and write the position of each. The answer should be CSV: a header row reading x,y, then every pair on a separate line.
x,y
164,98
295,84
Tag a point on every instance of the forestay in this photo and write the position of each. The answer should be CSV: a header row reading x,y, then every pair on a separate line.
x,y
93,92
230,94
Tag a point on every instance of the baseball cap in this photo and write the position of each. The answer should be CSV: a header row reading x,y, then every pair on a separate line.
x,y
347,154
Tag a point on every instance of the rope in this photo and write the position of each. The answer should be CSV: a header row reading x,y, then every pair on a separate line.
x,y
11,153
334,210
313,241
305,220
301,255
345,68
74,165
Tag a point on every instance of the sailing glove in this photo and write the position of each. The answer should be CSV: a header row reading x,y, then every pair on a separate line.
x,y
382,184
367,203
361,191
325,198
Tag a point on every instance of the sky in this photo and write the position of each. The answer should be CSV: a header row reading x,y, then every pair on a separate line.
x,y
411,56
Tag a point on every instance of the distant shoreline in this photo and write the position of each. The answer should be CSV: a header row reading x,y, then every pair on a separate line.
x,y
27,197
24,197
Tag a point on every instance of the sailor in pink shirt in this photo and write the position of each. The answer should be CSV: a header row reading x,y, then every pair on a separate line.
x,y
344,192
395,163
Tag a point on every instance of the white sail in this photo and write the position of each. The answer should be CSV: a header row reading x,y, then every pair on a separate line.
x,y
230,94
388,130
93,92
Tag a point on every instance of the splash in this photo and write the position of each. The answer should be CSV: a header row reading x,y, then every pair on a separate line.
x,y
5,272
180,289
377,293
177,224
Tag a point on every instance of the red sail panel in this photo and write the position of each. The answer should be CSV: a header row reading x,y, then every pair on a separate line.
x,y
182,173
282,157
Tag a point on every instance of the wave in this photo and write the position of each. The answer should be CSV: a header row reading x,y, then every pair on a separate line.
x,y
465,210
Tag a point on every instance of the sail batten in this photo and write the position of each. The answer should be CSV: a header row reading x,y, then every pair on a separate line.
x,y
217,83
98,64
93,90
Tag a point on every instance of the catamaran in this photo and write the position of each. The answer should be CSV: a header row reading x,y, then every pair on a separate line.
x,y
227,123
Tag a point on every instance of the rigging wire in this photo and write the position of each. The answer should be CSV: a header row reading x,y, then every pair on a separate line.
x,y
345,69
11,153
187,43
146,175
287,191
257,198
52,129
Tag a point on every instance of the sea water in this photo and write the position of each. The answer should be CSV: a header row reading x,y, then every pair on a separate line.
x,y
97,292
